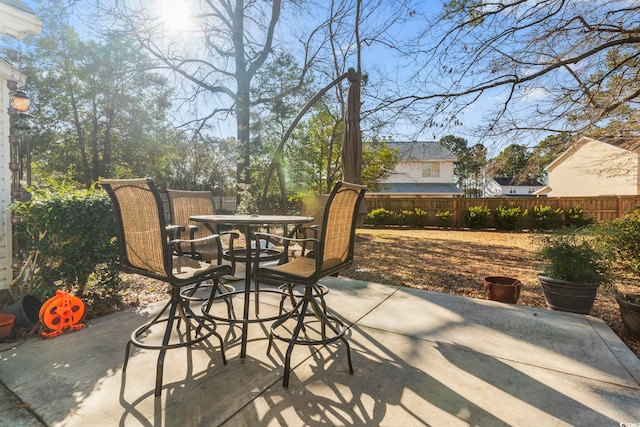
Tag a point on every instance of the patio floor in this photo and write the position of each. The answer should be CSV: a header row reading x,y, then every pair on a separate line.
x,y
420,358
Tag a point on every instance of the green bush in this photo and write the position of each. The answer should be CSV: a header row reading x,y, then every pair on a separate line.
x,y
572,255
620,241
444,219
67,240
382,216
509,218
415,218
477,217
544,217
574,217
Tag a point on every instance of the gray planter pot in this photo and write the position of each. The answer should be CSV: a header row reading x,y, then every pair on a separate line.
x,y
630,315
568,296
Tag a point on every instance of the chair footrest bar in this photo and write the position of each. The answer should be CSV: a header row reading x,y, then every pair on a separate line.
x,y
198,337
337,326
208,315
185,293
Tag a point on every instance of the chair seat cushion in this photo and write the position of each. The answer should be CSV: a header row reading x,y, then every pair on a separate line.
x,y
184,268
301,267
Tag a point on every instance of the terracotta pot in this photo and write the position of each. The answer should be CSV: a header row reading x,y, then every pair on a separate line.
x,y
26,310
6,324
630,314
503,289
568,296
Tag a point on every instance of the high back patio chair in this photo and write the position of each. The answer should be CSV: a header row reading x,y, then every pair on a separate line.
x,y
145,248
314,207
332,252
183,205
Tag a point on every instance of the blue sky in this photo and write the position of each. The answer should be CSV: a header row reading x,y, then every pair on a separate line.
x,y
380,58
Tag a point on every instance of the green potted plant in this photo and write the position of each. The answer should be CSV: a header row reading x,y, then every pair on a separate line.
x,y
573,270
619,238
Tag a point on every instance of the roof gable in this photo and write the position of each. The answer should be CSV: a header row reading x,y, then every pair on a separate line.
x,y
421,150
617,142
17,20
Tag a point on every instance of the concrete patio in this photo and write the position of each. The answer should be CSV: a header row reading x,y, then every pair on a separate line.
x,y
420,358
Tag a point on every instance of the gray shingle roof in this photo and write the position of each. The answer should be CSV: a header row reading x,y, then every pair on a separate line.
x,y
421,150
627,143
528,182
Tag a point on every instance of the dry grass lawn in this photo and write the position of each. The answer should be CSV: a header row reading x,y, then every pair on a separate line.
x,y
455,262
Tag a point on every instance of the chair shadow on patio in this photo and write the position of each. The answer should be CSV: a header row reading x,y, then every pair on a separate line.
x,y
375,394
439,368
322,392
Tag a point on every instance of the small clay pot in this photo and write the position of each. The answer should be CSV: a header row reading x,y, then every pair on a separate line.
x,y
6,324
503,289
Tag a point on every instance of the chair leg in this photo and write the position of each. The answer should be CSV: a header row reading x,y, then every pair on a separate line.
x,y
163,350
294,338
280,321
182,316
229,301
126,357
289,293
346,343
309,301
325,320
320,293
179,308
140,331
188,294
202,324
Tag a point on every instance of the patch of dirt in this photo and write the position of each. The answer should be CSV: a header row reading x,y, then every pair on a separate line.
x,y
455,262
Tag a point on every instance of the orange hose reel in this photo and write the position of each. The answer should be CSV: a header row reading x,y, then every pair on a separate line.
x,y
61,313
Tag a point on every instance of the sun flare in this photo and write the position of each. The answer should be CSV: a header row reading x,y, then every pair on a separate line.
x,y
175,15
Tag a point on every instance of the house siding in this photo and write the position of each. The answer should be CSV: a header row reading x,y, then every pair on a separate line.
x,y
493,188
17,20
5,180
594,168
411,172
407,177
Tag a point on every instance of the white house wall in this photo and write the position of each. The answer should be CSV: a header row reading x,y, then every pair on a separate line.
x,y
411,172
494,189
594,168
6,72
17,20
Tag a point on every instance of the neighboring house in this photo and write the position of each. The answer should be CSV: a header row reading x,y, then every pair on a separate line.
x,y
424,168
595,167
496,187
16,21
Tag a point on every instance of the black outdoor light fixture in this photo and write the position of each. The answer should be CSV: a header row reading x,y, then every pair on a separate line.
x,y
19,99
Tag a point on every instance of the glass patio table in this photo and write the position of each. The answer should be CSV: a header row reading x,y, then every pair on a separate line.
x,y
244,224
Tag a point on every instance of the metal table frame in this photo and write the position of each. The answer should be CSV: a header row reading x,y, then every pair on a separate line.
x,y
245,222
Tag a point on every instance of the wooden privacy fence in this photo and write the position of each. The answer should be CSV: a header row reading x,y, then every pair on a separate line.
x,y
599,208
